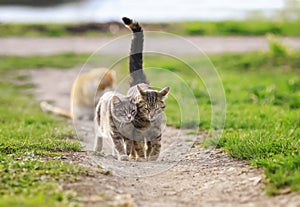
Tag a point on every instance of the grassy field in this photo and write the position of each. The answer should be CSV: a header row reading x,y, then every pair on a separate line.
x,y
32,143
263,115
263,110
246,27
262,124
31,146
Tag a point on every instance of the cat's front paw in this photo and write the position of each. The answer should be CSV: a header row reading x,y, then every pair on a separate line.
x,y
97,153
153,158
124,158
141,159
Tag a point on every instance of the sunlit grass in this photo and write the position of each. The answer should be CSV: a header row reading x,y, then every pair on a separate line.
x,y
262,123
229,27
263,110
31,146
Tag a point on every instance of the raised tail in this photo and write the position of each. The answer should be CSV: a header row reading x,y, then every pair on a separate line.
x,y
136,53
46,107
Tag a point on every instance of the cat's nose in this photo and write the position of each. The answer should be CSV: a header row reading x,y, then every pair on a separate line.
x,y
151,114
129,117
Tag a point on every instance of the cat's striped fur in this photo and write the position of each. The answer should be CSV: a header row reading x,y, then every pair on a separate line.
x,y
150,103
114,111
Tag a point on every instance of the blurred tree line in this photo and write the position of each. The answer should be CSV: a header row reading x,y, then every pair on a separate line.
x,y
290,12
36,3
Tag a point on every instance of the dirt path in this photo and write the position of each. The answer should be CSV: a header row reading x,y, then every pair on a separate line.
x,y
201,177
46,46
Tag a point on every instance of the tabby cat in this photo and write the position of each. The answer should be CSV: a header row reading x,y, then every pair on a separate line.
x,y
85,89
146,127
114,111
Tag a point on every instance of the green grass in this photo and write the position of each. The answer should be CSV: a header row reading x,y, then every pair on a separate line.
x,y
65,60
31,145
263,106
49,30
263,109
246,27
262,124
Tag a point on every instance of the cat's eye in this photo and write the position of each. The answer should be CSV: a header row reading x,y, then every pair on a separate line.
x,y
133,112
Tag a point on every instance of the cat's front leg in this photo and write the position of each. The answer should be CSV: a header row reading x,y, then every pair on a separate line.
x,y
120,147
139,148
155,149
98,143
129,147
148,149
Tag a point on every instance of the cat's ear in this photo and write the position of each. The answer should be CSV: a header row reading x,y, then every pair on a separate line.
x,y
141,90
116,100
164,91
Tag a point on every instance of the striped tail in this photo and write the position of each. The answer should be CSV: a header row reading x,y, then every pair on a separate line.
x,y
46,107
136,53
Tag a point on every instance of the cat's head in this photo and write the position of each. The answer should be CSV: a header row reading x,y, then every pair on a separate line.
x,y
151,102
124,110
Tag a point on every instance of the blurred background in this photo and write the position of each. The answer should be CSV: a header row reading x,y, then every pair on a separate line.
x,y
147,11
253,44
189,17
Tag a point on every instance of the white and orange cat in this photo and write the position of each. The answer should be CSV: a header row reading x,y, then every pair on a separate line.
x,y
85,94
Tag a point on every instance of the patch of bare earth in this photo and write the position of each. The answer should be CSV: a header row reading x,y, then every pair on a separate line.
x,y
201,177
208,44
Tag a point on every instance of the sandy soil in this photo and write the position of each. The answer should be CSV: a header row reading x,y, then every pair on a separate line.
x,y
46,46
197,177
